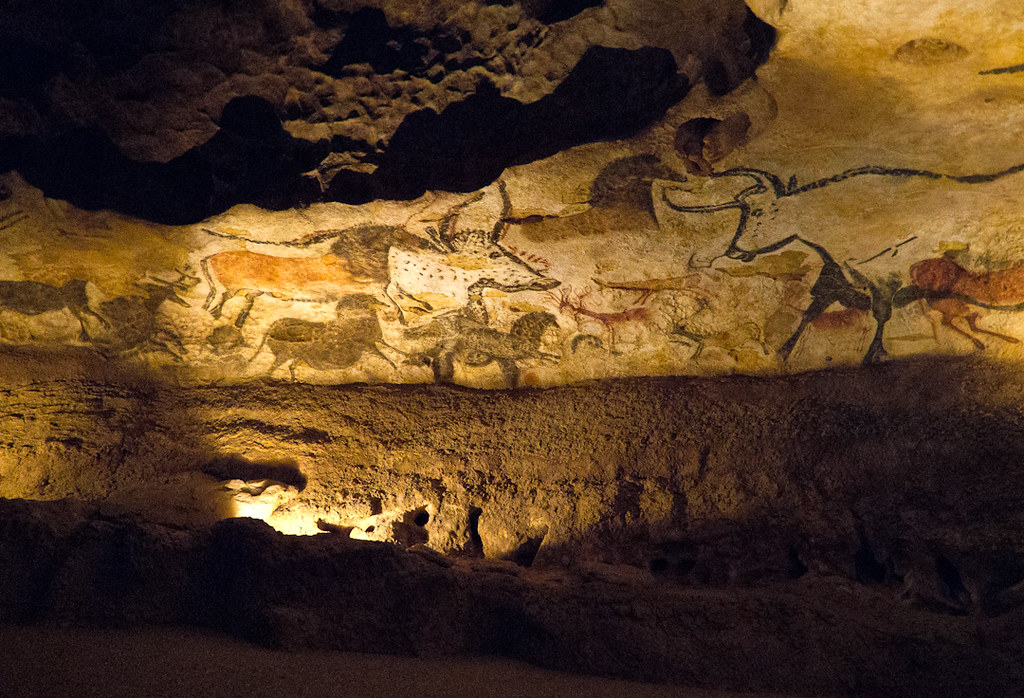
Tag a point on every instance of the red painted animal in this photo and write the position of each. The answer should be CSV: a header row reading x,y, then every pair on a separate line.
x,y
324,278
990,288
566,301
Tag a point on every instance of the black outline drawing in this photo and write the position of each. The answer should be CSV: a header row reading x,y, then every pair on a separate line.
x,y
832,284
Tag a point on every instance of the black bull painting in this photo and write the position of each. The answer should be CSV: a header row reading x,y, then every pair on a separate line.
x,y
867,225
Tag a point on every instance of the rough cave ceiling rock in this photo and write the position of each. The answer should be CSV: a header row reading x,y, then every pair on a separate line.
x,y
507,194
402,97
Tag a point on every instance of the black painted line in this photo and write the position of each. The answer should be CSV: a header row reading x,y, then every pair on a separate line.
x,y
1019,68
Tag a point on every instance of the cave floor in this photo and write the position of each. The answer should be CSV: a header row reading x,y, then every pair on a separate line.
x,y
60,661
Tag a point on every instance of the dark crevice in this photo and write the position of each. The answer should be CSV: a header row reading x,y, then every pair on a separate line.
x,y
561,10
762,37
370,39
673,559
795,567
250,160
550,11
951,583
611,93
526,553
234,467
475,545
411,529
868,569
716,78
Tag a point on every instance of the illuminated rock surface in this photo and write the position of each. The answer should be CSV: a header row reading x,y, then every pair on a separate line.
x,y
219,228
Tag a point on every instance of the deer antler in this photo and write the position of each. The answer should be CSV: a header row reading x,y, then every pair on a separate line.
x,y
586,291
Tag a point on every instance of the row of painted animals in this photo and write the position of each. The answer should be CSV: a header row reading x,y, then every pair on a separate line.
x,y
386,261
129,322
730,339
459,336
763,225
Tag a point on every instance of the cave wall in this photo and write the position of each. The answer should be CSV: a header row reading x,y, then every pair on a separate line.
x,y
690,328
508,197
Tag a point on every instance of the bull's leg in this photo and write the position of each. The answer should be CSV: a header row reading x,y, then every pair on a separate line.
x,y
818,306
510,370
278,361
86,310
83,335
444,367
375,350
972,322
926,308
216,308
170,343
876,352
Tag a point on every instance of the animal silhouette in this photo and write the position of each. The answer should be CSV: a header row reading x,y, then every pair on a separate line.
x,y
573,303
323,346
378,259
461,263
133,320
955,292
34,298
455,337
768,210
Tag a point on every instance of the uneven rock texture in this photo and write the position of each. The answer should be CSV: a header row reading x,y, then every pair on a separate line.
x,y
119,106
815,635
906,475
43,661
567,202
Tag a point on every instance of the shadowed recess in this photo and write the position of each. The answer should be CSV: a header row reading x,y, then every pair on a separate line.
x,y
251,159
234,467
611,93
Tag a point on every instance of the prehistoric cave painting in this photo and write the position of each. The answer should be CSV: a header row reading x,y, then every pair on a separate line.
x,y
735,271
387,261
133,323
952,290
573,302
326,346
732,339
35,298
463,336
356,261
687,285
871,276
618,200
462,263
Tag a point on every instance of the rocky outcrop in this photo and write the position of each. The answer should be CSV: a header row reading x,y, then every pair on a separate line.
x,y
817,635
904,477
173,114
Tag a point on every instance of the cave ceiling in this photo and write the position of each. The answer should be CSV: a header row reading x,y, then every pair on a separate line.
x,y
509,194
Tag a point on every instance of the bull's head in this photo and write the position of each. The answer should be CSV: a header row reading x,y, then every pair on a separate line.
x,y
722,191
750,192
